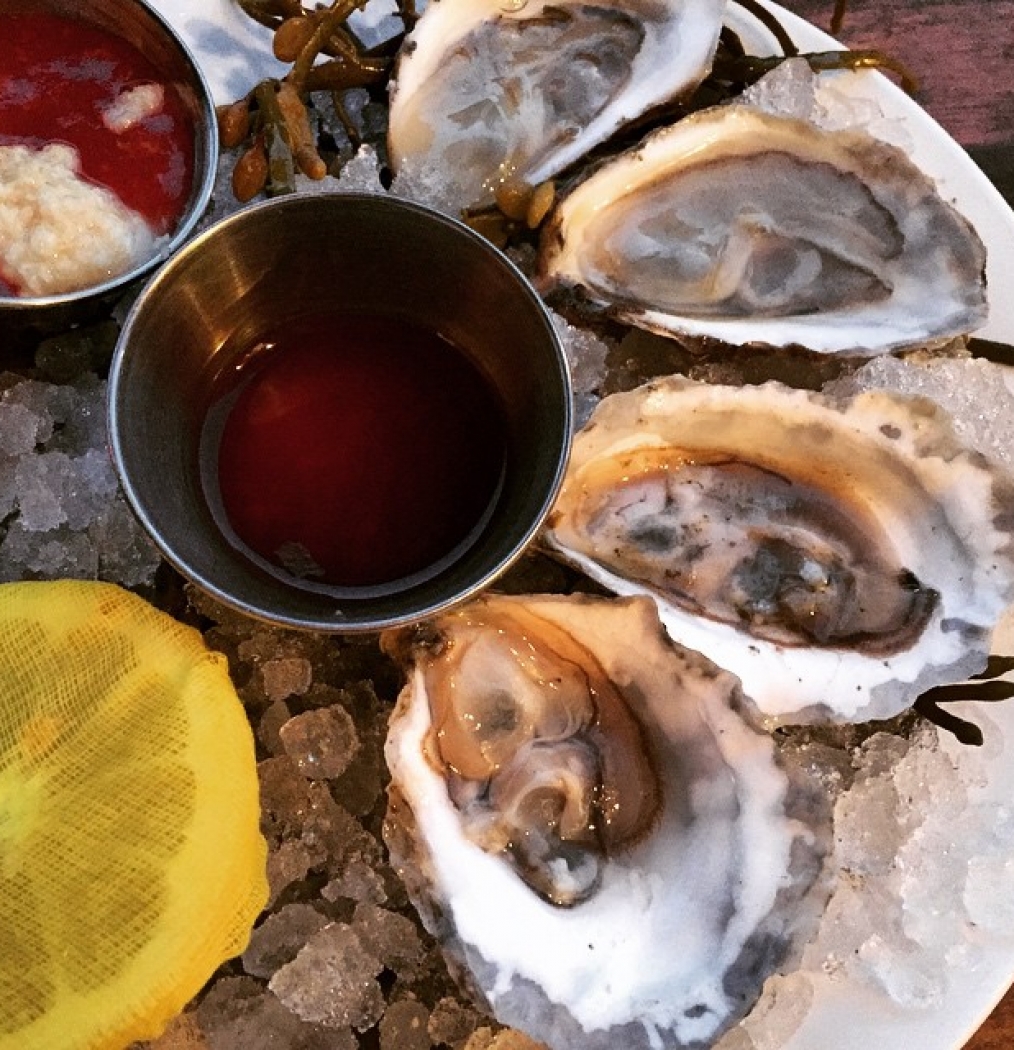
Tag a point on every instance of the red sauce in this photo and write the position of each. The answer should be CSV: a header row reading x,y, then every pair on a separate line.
x,y
57,75
368,444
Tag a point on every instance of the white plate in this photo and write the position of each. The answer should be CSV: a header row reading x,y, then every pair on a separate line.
x,y
847,1014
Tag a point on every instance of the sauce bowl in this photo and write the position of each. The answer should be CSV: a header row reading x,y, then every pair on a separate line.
x,y
139,25
271,266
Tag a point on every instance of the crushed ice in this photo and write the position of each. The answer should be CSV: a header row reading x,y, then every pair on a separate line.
x,y
61,512
792,89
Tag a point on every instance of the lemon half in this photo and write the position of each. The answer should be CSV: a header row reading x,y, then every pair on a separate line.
x,y
131,861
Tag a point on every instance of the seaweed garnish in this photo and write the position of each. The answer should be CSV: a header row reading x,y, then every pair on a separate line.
x,y
273,120
984,688
838,16
990,350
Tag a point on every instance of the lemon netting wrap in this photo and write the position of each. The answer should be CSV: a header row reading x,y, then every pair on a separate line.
x,y
131,861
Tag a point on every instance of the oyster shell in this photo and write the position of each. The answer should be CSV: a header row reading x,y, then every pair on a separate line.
x,y
498,92
752,228
840,558
583,817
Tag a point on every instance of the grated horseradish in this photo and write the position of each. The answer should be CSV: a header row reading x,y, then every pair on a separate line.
x,y
59,232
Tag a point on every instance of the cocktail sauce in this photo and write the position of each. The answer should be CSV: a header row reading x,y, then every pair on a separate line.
x,y
59,75
354,451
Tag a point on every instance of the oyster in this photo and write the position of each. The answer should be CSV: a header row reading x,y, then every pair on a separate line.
x,y
840,558
752,228
487,92
606,849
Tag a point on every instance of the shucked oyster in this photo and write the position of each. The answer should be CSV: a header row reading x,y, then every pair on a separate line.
x,y
840,558
490,92
746,227
589,825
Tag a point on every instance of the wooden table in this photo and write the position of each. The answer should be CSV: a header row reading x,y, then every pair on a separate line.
x,y
962,52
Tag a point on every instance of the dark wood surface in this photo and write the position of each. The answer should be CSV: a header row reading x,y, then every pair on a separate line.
x,y
962,53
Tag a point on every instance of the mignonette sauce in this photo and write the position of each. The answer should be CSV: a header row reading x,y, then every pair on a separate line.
x,y
353,452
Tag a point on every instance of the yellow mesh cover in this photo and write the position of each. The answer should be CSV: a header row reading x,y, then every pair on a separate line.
x,y
131,861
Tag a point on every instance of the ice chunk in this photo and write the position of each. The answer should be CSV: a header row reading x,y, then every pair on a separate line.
x,y
978,394
908,848
362,173
359,174
379,22
392,938
322,742
8,485
41,482
285,797
359,882
270,724
419,183
451,1022
76,356
783,1005
36,397
28,554
792,89
19,428
296,808
404,1026
867,827
238,1013
353,102
81,419
586,355
507,1039
364,779
789,90
912,979
289,863
279,938
93,487
59,490
286,676
332,981
125,552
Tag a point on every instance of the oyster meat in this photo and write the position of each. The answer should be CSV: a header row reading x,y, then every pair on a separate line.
x,y
839,557
488,92
747,227
605,847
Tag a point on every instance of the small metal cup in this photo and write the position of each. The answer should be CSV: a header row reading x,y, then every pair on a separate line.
x,y
141,25
349,252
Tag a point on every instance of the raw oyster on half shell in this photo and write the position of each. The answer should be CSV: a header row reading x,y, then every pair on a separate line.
x,y
746,227
604,845
489,92
839,557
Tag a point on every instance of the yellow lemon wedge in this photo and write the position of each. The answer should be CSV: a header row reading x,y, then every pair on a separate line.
x,y
131,860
